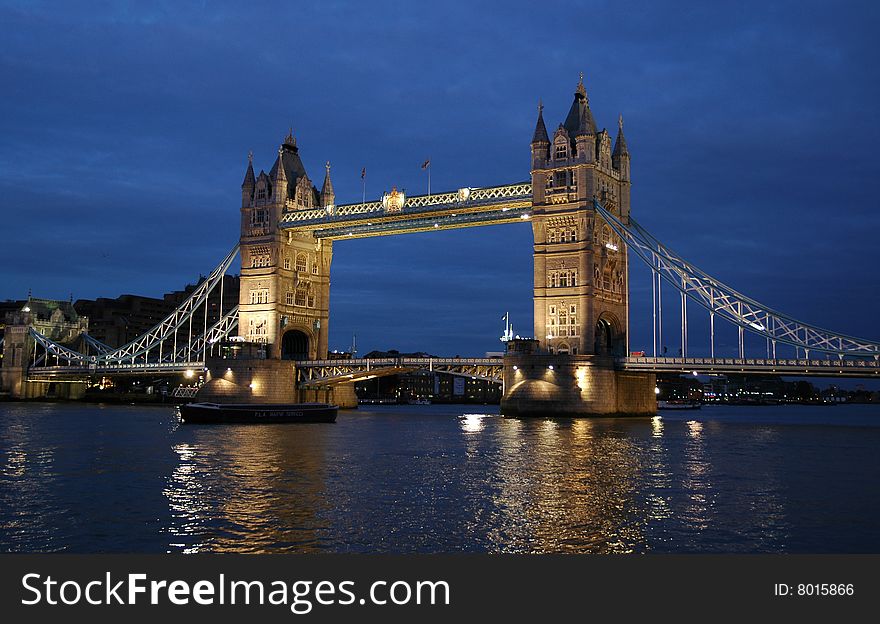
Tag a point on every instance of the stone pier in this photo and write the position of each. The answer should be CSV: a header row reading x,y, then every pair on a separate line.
x,y
553,385
242,374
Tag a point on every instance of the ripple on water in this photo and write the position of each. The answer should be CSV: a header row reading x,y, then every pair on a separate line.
x,y
439,479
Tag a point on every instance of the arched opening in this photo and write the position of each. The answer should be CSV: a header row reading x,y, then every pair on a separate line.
x,y
609,339
563,349
294,345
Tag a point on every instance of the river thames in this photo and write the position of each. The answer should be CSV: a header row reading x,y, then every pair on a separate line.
x,y
432,479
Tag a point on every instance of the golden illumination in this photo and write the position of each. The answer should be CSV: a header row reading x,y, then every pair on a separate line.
x,y
393,201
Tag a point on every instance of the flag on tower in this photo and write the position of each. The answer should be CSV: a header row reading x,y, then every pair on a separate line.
x,y
426,164
363,173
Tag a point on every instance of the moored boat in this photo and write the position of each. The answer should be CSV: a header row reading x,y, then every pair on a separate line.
x,y
678,405
253,413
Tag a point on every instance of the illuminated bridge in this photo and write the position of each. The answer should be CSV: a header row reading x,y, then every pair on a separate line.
x,y
577,203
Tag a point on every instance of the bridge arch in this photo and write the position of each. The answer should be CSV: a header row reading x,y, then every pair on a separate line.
x,y
295,345
609,337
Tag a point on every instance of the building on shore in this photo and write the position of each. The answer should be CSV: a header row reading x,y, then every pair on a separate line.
x,y
57,320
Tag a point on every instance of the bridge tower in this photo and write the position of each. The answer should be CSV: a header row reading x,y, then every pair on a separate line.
x,y
581,273
581,293
285,274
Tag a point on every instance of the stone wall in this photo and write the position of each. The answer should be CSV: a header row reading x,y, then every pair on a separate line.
x,y
249,381
564,385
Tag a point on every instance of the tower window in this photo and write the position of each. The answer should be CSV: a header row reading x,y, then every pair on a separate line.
x,y
287,263
259,260
301,263
301,297
260,295
259,218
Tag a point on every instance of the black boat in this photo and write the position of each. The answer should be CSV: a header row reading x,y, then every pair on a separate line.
x,y
204,413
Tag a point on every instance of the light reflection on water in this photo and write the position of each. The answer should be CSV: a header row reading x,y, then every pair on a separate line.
x,y
439,479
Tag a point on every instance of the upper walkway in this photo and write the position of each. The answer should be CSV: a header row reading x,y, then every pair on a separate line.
x,y
466,207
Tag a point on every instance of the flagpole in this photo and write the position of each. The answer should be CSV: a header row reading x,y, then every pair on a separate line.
x,y
364,186
429,177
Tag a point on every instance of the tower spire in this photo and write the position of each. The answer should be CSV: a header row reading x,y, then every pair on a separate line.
x,y
249,178
327,194
580,118
620,143
540,135
280,173
581,89
290,139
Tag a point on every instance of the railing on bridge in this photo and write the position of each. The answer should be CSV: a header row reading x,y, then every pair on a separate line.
x,y
462,208
318,373
827,367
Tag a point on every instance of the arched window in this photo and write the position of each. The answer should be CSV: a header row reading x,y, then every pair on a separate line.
x,y
301,262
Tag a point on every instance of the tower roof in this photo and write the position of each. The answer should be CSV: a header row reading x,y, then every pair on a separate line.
x,y
620,143
278,172
580,118
327,189
294,169
249,179
540,135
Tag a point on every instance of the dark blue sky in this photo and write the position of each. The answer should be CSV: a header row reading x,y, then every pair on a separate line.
x,y
753,130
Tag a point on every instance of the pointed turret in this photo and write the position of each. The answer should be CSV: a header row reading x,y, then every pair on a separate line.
x,y
620,155
249,178
540,135
280,179
280,174
580,118
293,169
328,197
620,142
250,182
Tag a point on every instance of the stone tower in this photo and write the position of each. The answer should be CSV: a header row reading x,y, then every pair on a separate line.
x,y
581,273
285,275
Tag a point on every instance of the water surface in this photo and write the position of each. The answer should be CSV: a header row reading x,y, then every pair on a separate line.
x,y
87,478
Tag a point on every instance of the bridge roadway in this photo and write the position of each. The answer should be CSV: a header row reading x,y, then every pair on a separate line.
x,y
325,373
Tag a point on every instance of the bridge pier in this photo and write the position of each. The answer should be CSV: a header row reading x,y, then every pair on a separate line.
x,y
342,395
552,385
245,380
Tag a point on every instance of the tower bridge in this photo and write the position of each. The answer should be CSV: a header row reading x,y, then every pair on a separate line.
x,y
577,201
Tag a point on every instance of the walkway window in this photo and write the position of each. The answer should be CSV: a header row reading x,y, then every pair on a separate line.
x,y
301,297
